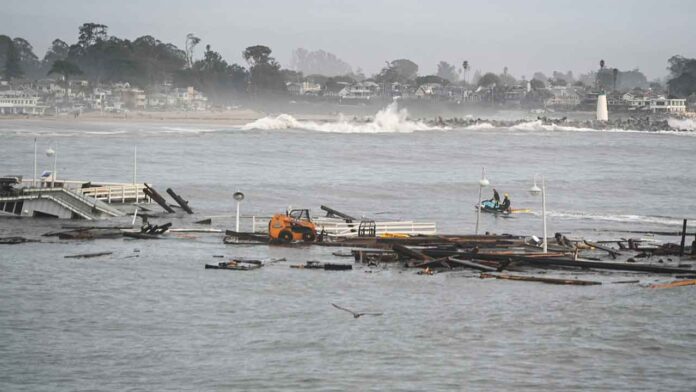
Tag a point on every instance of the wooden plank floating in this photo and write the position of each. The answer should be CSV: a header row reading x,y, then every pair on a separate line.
x,y
88,255
324,266
541,280
676,283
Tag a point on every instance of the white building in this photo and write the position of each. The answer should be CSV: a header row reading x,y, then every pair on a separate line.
x,y
667,105
20,102
356,91
562,96
658,104
190,98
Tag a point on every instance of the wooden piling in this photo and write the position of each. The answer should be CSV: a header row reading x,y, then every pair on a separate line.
x,y
683,240
179,200
154,195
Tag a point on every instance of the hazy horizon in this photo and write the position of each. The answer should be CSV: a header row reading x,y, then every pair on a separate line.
x,y
535,36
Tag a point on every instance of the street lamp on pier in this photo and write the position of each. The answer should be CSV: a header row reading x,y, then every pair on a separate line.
x,y
238,197
52,153
535,191
483,182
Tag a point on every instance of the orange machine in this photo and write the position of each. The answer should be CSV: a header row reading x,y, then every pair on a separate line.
x,y
292,226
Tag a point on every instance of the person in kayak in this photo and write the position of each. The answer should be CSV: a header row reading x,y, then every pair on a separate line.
x,y
505,205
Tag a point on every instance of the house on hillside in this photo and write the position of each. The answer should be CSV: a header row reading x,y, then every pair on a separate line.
x,y
20,102
563,96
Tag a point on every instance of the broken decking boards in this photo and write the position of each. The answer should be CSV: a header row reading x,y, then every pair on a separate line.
x,y
408,253
612,252
324,266
180,201
154,195
536,261
575,282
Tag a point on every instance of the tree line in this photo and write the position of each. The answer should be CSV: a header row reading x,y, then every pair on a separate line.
x,y
148,62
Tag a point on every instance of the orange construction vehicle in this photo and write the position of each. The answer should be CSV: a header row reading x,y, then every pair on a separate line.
x,y
295,225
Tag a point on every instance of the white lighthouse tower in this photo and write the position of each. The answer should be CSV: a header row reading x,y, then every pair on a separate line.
x,y
602,111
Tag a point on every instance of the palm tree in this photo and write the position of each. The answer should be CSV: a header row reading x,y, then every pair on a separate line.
x,y
67,69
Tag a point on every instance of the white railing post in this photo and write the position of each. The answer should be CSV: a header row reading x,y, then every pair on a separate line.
x,y
109,196
123,194
253,223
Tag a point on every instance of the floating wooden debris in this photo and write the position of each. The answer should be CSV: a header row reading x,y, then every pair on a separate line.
x,y
541,280
626,281
88,255
676,283
207,221
15,240
552,260
324,266
237,265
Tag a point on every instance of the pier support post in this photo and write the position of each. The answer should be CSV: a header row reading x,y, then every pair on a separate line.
x,y
683,239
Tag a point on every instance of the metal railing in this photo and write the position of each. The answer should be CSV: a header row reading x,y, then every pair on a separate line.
x,y
343,229
124,193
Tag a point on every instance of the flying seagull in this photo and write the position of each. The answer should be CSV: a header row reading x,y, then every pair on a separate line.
x,y
355,314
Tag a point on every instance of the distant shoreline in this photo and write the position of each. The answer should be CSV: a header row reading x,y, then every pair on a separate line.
x,y
232,117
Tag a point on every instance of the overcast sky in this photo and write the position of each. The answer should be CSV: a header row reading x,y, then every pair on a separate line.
x,y
526,36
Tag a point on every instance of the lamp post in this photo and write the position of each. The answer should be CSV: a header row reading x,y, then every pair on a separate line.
x,y
33,181
483,182
238,197
52,153
535,191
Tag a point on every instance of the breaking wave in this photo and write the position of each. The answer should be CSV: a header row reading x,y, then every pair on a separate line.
x,y
480,126
388,120
660,220
685,124
538,125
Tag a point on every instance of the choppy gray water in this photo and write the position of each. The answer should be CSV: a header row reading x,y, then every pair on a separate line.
x,y
162,322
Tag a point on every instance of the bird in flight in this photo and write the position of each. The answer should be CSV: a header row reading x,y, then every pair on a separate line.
x,y
356,314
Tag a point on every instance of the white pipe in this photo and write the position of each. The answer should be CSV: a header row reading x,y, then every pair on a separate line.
x,y
237,219
55,169
478,209
543,211
33,181
135,165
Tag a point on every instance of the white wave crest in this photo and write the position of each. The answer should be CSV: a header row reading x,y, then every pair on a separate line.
x,y
685,124
480,126
387,120
538,125
625,218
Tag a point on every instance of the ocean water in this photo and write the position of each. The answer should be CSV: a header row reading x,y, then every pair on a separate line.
x,y
159,321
